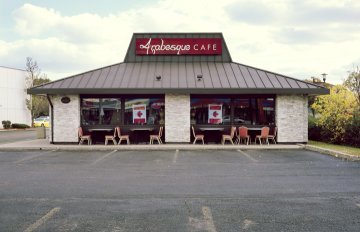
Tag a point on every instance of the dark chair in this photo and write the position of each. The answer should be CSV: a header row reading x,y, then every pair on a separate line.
x,y
243,135
157,137
264,135
197,136
83,137
122,137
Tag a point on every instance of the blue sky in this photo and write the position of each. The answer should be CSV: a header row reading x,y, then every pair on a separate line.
x,y
296,38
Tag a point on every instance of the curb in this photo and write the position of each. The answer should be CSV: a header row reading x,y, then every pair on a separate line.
x,y
336,154
145,147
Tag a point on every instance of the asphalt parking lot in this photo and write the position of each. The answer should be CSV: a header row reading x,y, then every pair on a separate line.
x,y
244,190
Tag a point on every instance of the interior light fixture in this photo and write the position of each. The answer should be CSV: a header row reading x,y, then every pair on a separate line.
x,y
158,77
199,77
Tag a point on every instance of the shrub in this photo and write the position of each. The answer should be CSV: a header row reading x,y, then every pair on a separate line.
x,y
314,130
19,126
6,124
352,133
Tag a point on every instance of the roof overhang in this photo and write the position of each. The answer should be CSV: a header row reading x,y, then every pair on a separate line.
x,y
318,91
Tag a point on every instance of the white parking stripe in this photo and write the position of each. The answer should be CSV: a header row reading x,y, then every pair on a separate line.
x,y
103,157
206,223
42,220
32,157
208,219
248,156
175,156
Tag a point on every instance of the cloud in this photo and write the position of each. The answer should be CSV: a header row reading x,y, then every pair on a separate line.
x,y
290,37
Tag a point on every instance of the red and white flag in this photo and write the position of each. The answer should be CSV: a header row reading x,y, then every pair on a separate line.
x,y
215,114
139,114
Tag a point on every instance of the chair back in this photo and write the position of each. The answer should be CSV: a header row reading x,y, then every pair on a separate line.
x,y
160,131
232,132
193,131
243,132
80,132
117,131
275,131
265,132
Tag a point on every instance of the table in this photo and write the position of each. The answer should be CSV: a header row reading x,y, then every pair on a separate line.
x,y
212,134
98,134
141,134
253,132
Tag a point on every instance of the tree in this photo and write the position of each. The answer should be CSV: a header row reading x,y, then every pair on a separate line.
x,y
353,83
335,112
38,105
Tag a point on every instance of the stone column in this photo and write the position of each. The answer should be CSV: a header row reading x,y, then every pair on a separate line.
x,y
66,119
292,118
177,118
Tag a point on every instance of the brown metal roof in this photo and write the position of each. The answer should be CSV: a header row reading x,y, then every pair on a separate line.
x,y
178,77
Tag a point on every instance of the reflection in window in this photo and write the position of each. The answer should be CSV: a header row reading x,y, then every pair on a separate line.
x,y
100,111
266,111
246,110
242,111
154,110
200,110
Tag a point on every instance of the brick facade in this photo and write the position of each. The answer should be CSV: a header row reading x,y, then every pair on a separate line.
x,y
292,118
66,119
177,118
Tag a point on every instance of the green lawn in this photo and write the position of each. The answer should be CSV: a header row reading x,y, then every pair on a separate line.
x,y
345,149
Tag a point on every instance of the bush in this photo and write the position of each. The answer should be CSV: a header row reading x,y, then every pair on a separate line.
x,y
314,130
6,124
352,133
19,126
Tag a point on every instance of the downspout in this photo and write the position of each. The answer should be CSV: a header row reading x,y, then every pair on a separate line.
x,y
52,118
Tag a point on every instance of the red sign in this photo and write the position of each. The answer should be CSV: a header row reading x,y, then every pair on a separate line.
x,y
179,46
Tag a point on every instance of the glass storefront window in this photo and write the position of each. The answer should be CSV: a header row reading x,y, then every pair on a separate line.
x,y
242,111
100,111
149,111
206,110
266,111
236,110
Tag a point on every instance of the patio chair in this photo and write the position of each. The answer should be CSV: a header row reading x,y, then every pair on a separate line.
x,y
157,137
83,137
273,136
243,135
111,138
122,137
197,136
264,135
229,137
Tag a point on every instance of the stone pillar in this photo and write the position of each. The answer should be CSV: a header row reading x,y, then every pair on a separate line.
x,y
292,118
66,119
177,118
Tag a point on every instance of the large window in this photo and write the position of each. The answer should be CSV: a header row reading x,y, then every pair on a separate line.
x,y
100,111
210,110
149,111
235,110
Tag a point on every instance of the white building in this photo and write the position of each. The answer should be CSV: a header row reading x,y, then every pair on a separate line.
x,y
13,96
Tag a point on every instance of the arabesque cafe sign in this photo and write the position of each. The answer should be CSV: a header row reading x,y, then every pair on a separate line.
x,y
178,46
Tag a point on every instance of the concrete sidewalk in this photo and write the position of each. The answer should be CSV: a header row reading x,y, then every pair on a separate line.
x,y
43,144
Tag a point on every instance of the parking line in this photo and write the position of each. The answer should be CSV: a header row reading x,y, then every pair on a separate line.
x,y
175,156
248,156
208,219
103,157
358,205
42,220
32,157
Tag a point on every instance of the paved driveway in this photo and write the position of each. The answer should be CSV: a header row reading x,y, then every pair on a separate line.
x,y
241,190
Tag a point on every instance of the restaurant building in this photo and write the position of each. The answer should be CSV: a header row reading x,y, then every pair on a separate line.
x,y
178,80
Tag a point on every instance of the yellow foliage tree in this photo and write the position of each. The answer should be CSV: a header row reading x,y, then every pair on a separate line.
x,y
335,111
